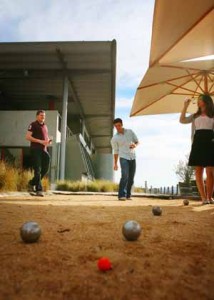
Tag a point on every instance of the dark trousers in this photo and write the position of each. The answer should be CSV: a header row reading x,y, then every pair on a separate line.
x,y
128,168
40,163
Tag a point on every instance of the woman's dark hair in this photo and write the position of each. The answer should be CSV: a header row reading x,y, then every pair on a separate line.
x,y
209,106
118,120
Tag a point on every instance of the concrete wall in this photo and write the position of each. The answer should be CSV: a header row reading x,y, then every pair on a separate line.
x,y
75,167
14,125
103,166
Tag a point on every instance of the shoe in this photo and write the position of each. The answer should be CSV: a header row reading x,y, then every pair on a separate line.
x,y
211,201
30,188
40,194
129,198
122,199
205,202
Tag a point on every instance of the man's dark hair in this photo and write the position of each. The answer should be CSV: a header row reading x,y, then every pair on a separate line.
x,y
41,111
118,120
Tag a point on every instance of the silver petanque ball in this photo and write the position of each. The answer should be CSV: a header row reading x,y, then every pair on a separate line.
x,y
131,230
30,232
157,211
186,202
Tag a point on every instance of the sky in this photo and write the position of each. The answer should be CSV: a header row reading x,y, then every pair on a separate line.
x,y
163,141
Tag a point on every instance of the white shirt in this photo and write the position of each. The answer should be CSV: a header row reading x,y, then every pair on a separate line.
x,y
201,122
204,122
121,144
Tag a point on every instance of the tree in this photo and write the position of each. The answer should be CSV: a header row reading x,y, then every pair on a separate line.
x,y
184,172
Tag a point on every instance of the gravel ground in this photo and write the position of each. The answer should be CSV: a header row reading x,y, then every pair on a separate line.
x,y
173,258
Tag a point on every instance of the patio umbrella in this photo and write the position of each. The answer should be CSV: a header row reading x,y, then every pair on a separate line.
x,y
182,33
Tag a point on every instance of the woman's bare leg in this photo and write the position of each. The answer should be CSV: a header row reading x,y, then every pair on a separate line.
x,y
209,182
200,182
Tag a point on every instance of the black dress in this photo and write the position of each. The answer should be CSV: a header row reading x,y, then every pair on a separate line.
x,y
202,152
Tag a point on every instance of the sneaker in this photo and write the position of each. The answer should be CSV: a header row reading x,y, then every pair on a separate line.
x,y
122,199
205,202
129,198
211,201
40,194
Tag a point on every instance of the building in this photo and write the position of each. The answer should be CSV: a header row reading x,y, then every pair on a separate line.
x,y
75,83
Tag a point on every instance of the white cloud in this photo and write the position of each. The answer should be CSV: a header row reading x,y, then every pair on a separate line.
x,y
129,22
122,103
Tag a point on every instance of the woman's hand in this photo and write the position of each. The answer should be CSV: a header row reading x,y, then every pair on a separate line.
x,y
183,118
187,102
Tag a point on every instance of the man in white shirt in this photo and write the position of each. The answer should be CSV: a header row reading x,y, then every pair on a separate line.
x,y
123,143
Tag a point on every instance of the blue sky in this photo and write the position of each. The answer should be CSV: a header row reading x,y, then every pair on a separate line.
x,y
163,141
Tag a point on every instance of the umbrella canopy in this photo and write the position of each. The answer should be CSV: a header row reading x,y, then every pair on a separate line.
x,y
180,35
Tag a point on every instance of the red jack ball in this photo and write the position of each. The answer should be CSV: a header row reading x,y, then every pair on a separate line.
x,y
104,264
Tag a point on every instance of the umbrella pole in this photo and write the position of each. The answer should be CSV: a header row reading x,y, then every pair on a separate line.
x,y
205,83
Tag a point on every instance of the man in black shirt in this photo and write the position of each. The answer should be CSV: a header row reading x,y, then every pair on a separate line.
x,y
37,134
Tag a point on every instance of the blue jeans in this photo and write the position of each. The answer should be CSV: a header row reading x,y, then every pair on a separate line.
x,y
128,168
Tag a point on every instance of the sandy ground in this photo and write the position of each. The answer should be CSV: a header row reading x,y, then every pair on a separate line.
x,y
173,258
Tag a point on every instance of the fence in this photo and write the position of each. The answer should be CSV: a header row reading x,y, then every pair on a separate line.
x,y
181,189
166,190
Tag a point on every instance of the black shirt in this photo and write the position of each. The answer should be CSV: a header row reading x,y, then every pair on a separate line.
x,y
39,131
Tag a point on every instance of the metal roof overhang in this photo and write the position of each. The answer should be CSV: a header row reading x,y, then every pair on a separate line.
x,y
32,74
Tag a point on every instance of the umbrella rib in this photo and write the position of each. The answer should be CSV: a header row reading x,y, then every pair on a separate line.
x,y
147,105
149,85
182,94
163,95
210,77
197,87
195,81
210,89
178,67
181,87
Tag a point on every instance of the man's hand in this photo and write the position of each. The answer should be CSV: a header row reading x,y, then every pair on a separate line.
x,y
45,143
115,167
132,146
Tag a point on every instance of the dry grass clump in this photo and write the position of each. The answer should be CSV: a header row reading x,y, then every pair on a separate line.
x,y
91,186
15,179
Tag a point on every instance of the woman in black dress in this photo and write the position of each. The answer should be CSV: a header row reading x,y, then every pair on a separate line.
x,y
202,152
